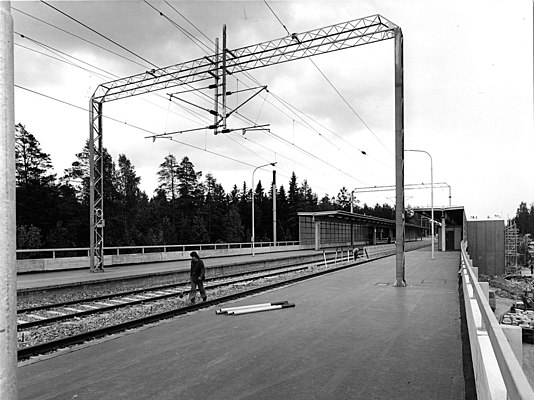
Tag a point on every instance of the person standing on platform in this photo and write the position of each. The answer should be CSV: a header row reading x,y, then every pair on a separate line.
x,y
198,274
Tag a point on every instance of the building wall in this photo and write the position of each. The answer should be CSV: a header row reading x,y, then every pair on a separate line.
x,y
485,240
336,232
306,230
333,233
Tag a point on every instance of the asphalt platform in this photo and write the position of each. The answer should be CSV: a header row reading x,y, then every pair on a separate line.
x,y
352,335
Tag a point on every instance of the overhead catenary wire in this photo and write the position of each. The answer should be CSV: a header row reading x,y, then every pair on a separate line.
x,y
302,150
131,125
191,37
99,34
78,37
62,60
294,36
62,54
153,64
109,74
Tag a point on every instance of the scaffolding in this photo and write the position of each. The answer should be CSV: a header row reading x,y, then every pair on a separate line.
x,y
511,255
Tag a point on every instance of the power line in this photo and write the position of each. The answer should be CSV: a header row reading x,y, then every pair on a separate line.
x,y
185,32
306,152
63,60
192,38
55,51
98,33
328,80
78,37
133,126
189,36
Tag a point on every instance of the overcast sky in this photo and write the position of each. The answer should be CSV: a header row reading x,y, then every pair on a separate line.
x,y
468,69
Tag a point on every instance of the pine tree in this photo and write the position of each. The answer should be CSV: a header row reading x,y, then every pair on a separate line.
x,y
343,199
33,166
168,177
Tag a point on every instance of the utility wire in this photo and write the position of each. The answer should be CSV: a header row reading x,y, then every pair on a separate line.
x,y
133,126
197,42
328,80
78,37
190,37
156,66
56,51
63,60
98,33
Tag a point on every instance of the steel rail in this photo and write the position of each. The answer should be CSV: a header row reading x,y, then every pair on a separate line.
x,y
135,291
58,318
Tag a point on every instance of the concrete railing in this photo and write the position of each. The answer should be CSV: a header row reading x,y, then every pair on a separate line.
x,y
495,349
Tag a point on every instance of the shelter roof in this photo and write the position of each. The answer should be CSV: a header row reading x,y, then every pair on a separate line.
x,y
353,217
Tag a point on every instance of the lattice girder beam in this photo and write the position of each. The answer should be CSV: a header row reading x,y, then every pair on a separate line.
x,y
318,41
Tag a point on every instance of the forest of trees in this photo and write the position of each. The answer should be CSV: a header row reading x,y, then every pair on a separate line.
x,y
524,218
53,212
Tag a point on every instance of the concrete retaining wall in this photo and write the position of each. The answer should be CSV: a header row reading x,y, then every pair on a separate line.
x,y
53,264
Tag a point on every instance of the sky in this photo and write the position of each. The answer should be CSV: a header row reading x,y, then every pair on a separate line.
x,y
468,95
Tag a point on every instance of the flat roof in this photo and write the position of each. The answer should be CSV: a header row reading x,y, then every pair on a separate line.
x,y
353,217
438,208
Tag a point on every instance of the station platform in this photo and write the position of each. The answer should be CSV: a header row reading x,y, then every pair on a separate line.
x,y
60,278
351,335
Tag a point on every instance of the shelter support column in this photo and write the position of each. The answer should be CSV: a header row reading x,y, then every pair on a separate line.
x,y
443,233
317,235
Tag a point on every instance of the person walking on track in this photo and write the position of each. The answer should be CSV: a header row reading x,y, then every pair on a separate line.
x,y
198,274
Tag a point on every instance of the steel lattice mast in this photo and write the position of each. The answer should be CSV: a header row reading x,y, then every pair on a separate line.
x,y
341,36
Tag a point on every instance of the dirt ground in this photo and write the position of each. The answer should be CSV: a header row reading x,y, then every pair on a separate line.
x,y
507,291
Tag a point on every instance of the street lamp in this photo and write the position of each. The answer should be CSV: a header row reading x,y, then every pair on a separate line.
x,y
431,196
253,230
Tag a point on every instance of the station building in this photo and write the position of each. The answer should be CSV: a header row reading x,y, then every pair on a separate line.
x,y
325,229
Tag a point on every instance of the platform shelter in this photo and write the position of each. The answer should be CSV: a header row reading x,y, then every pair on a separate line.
x,y
341,228
452,225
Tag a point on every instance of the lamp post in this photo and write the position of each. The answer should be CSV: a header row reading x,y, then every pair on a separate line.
x,y
252,190
431,196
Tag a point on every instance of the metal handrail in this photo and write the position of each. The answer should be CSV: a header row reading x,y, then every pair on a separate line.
x,y
517,385
165,248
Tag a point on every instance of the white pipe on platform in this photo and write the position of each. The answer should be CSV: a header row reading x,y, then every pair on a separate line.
x,y
228,309
260,309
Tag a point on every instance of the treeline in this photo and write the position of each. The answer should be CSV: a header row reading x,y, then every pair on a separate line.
x,y
186,207
524,218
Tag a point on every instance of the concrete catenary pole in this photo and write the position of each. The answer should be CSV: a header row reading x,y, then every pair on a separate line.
x,y
8,282
399,159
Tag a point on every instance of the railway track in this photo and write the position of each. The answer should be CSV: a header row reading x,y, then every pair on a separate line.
x,y
102,315
52,313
